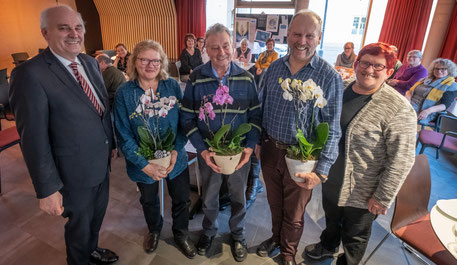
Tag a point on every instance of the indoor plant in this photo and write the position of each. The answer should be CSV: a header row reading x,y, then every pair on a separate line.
x,y
303,156
225,143
152,145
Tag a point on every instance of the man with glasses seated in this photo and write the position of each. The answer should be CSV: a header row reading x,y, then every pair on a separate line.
x,y
376,153
409,73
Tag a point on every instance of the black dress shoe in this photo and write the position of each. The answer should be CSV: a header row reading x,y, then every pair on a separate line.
x,y
224,203
204,244
151,241
253,188
103,255
239,250
268,248
187,248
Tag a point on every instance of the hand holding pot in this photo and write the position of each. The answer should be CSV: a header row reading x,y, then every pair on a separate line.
x,y
245,155
208,156
311,180
174,155
156,172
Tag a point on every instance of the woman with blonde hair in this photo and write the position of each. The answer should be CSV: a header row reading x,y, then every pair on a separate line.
x,y
148,75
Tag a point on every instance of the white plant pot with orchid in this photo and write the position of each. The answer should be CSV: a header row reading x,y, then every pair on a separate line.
x,y
152,146
302,158
225,143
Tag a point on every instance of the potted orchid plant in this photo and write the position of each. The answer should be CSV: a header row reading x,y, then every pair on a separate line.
x,y
225,143
153,146
303,156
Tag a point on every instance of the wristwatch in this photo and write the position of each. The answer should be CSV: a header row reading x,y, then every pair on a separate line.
x,y
323,180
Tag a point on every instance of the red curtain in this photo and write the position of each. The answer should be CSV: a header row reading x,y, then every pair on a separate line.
x,y
405,23
191,19
449,46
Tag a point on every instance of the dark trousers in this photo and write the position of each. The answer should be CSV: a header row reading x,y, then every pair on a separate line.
x,y
85,209
255,168
211,184
287,200
349,225
178,188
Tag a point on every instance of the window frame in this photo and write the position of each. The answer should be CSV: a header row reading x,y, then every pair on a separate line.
x,y
264,4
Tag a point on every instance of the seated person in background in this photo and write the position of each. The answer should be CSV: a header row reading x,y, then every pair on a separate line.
x,y
191,57
434,93
409,73
243,53
264,60
202,49
122,57
112,76
347,58
398,64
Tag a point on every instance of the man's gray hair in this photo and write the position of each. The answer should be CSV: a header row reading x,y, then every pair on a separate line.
x,y
44,16
307,12
103,58
217,28
416,52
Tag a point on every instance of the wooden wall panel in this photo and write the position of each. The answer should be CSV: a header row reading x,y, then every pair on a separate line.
x,y
131,21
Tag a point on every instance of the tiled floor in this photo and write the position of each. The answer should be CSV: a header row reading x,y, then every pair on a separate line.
x,y
30,237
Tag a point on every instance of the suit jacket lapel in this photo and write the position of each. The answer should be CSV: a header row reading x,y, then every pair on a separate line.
x,y
64,75
96,83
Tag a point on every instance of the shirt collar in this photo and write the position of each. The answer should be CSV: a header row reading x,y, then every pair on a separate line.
x,y
63,60
312,63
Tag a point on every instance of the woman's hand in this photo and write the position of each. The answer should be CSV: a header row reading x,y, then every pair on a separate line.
x,y
408,95
424,114
392,82
156,172
174,155
259,71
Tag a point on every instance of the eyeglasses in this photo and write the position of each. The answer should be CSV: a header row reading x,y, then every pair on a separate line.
x,y
412,56
440,69
347,48
377,66
145,61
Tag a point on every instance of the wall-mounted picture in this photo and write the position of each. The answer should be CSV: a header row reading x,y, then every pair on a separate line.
x,y
262,36
272,23
242,29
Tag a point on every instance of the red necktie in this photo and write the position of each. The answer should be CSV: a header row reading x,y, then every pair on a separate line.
x,y
86,88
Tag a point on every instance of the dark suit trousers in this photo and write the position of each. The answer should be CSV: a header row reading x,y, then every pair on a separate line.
x,y
178,188
287,200
85,209
349,225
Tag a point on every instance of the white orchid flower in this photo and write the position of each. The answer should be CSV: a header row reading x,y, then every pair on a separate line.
x,y
285,85
320,102
151,113
138,109
294,84
163,112
145,99
164,100
287,96
318,92
305,95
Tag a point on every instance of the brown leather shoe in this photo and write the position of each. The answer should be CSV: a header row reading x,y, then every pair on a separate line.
x,y
151,241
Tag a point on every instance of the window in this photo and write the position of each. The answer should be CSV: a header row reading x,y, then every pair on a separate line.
x,y
355,25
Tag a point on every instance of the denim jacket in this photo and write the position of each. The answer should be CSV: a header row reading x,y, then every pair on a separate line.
x,y
126,101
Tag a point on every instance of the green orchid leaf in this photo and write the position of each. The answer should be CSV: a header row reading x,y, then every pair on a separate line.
x,y
241,130
144,135
322,131
220,134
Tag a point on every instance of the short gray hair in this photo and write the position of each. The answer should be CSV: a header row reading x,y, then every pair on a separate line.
x,y
450,65
44,16
309,13
394,48
103,58
244,40
218,28
417,52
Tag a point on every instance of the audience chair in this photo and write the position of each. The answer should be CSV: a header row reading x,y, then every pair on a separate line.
x,y
19,57
411,218
174,71
5,112
8,138
445,136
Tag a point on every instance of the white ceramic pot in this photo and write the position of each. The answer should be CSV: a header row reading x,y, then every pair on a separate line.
x,y
296,166
165,162
227,163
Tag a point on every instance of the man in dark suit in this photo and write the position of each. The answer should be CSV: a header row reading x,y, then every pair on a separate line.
x,y
62,115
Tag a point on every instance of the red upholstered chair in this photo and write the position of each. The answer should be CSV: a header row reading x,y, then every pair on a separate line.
x,y
445,136
8,138
411,218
